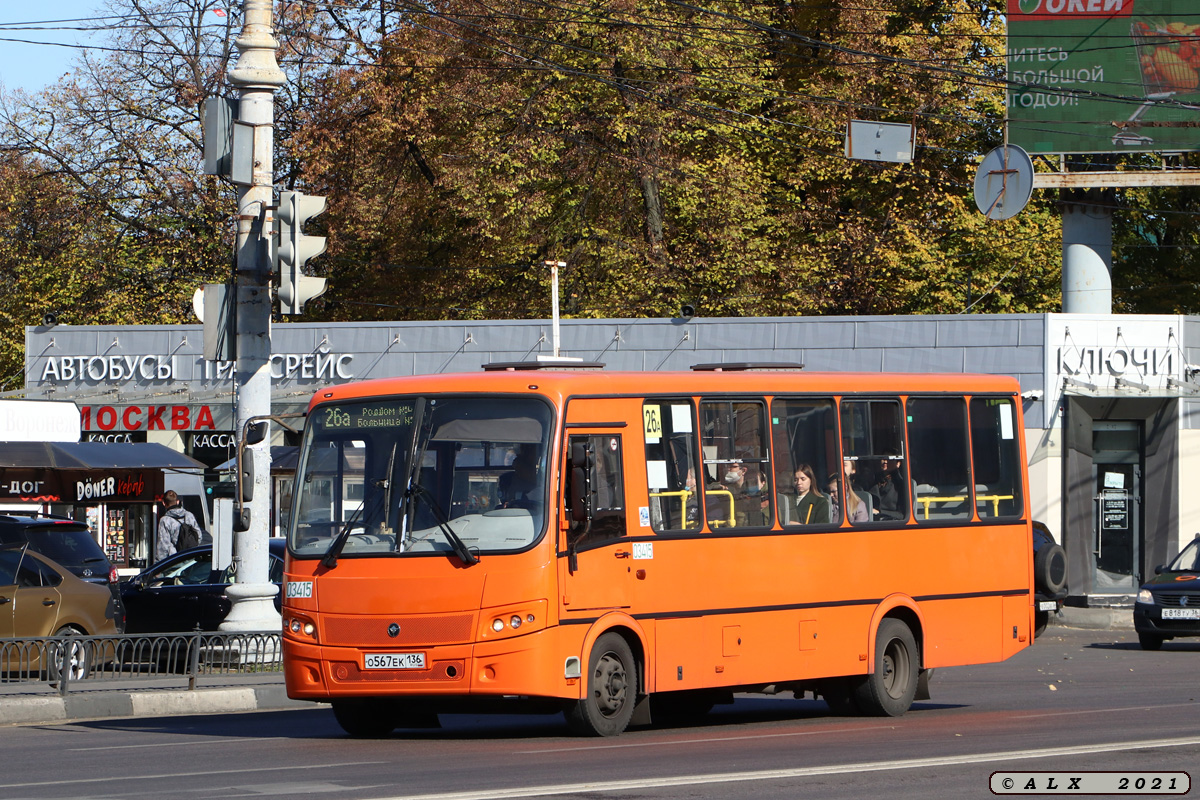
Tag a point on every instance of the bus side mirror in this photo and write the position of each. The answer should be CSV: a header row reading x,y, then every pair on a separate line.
x,y
581,495
256,432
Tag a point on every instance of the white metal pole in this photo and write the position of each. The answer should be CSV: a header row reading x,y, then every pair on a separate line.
x,y
555,266
256,75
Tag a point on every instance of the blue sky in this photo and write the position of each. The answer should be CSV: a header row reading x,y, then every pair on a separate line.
x,y
33,66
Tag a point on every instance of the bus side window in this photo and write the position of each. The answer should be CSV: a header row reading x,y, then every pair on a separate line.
x,y
937,437
737,464
671,465
996,457
804,433
874,461
607,483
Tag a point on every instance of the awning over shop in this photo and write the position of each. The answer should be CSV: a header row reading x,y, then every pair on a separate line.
x,y
284,459
86,472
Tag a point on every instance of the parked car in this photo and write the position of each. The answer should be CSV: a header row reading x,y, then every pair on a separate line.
x,y
1049,576
183,592
39,598
1168,605
62,540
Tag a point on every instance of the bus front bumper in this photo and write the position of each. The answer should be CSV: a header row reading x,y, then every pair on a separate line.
x,y
518,666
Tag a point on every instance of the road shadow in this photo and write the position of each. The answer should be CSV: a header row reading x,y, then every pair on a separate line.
x,y
1172,645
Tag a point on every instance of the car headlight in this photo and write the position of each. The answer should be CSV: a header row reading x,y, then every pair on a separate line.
x,y
1144,596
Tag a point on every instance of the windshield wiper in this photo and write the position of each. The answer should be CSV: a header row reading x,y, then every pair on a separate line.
x,y
457,544
413,469
335,548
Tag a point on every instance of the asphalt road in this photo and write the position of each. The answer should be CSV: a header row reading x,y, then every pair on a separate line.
x,y
1077,701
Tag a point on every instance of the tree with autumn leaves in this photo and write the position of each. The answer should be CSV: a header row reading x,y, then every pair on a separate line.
x,y
669,152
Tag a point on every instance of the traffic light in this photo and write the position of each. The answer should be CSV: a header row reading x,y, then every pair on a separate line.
x,y
295,249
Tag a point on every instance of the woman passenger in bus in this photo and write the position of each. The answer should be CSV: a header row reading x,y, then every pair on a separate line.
x,y
812,507
856,509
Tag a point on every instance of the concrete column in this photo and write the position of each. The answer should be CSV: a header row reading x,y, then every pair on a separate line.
x,y
1087,259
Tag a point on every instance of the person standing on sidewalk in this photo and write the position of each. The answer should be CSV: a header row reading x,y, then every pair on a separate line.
x,y
170,523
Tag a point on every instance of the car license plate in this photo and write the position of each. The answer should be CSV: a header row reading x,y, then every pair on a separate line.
x,y
1048,605
1181,613
394,661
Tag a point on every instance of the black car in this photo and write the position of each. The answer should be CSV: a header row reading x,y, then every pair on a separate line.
x,y
66,542
184,593
1049,576
1168,605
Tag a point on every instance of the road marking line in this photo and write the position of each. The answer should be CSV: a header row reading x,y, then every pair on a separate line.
x,y
748,737
804,772
181,743
204,774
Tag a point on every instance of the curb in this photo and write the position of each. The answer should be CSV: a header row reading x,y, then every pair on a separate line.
x,y
1095,619
93,705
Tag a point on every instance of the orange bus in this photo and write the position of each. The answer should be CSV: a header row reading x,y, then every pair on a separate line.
x,y
624,545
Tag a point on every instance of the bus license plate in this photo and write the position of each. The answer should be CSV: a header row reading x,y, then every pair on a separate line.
x,y
1181,613
394,661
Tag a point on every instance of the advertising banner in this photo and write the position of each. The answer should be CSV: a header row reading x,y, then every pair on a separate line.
x,y
1103,76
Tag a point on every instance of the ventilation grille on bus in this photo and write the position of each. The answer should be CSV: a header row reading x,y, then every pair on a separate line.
x,y
414,631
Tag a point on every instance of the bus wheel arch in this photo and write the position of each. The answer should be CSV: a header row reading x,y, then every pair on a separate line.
x,y
894,678
609,689
904,609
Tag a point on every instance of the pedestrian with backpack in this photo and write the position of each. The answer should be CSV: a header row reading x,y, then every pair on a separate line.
x,y
178,529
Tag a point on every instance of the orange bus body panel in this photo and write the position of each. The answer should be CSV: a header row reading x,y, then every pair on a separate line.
x,y
705,610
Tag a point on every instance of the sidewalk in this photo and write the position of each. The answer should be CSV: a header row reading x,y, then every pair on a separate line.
x,y
37,703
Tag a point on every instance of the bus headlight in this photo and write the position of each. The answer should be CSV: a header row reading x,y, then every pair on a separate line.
x,y
513,620
300,628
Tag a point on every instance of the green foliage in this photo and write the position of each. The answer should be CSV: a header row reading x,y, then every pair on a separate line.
x,y
668,153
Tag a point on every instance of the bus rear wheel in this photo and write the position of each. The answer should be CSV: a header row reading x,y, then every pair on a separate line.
x,y
611,691
890,688
364,717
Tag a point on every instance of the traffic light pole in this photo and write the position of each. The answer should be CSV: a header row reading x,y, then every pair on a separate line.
x,y
256,75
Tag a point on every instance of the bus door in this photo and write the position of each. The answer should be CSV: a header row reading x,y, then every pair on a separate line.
x,y
595,556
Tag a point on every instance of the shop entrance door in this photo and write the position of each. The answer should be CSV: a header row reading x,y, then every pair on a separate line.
x,y
1116,454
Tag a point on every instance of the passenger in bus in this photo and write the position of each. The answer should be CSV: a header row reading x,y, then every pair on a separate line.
x,y
811,507
520,487
753,504
856,509
691,503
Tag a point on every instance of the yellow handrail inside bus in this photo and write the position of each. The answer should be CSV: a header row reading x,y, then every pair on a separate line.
x,y
683,495
994,499
732,521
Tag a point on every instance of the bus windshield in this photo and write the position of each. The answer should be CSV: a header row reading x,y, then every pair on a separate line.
x,y
389,477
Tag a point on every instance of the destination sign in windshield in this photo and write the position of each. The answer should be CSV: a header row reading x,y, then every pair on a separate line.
x,y
361,417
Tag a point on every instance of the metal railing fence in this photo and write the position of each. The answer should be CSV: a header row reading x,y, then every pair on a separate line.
x,y
62,661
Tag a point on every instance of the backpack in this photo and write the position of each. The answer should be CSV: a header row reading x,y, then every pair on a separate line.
x,y
189,536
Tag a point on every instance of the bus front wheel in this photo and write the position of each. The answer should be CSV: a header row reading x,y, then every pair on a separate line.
x,y
607,706
890,688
